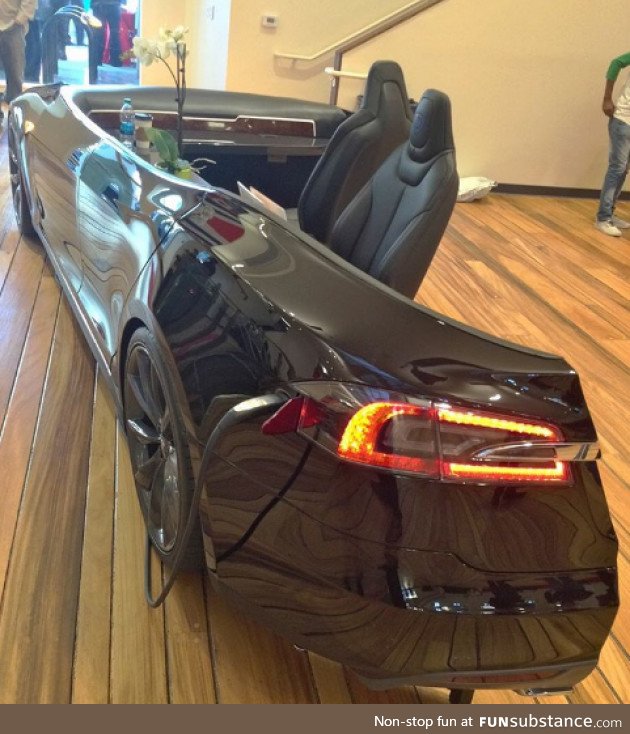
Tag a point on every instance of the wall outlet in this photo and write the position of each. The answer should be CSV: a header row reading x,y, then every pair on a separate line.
x,y
270,21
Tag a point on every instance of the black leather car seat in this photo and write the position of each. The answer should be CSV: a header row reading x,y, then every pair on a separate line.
x,y
392,228
357,148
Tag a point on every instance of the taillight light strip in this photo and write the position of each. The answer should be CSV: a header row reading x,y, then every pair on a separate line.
x,y
559,472
467,418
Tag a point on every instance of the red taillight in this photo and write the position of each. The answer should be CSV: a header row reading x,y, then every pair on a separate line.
x,y
360,439
389,431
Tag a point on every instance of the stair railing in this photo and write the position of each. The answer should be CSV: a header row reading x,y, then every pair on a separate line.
x,y
358,38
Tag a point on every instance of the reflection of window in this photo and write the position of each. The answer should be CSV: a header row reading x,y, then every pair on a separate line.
x,y
64,51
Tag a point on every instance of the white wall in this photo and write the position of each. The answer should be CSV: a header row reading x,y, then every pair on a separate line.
x,y
209,24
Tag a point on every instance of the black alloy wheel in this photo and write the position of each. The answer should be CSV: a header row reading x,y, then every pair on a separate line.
x,y
159,454
20,202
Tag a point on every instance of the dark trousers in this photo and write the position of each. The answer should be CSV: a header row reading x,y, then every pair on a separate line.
x,y
62,28
12,57
33,51
108,13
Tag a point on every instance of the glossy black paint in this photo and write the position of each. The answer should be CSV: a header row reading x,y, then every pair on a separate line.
x,y
403,579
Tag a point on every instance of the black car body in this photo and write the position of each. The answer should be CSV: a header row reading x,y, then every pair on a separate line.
x,y
468,546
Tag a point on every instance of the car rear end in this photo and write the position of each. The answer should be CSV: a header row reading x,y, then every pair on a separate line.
x,y
407,496
419,540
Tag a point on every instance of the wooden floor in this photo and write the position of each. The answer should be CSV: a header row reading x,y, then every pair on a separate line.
x,y
74,625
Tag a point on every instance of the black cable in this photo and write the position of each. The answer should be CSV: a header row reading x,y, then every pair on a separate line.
x,y
236,414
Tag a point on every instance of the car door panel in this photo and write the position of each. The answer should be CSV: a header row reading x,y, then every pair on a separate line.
x,y
119,223
55,162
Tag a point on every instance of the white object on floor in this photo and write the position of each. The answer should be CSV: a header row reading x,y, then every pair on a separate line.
x,y
474,187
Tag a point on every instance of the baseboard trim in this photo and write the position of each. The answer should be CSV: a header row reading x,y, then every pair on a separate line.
x,y
553,191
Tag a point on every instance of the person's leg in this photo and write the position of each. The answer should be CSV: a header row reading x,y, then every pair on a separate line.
x,y
113,18
79,31
61,29
618,157
98,39
33,52
2,61
13,59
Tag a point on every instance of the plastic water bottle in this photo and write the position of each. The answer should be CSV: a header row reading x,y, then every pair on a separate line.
x,y
127,123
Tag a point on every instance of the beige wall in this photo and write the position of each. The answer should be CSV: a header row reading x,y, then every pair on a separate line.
x,y
526,81
526,78
305,27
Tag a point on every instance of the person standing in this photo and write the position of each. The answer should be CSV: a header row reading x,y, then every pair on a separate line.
x,y
14,18
619,149
108,12
33,68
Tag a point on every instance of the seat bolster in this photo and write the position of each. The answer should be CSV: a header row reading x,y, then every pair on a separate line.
x,y
407,260
350,225
318,196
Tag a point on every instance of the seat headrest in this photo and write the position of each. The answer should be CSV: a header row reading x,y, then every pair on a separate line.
x,y
431,130
380,74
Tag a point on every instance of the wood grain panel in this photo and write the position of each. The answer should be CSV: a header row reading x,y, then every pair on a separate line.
x,y
218,127
330,680
16,304
252,664
38,620
23,409
138,654
93,633
190,675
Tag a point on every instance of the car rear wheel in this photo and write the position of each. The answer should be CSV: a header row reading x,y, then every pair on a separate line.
x,y
20,202
159,453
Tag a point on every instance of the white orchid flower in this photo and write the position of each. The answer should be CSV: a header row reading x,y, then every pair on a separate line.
x,y
178,33
142,50
162,49
148,50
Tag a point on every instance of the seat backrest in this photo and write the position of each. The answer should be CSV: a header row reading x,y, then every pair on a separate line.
x,y
357,148
392,228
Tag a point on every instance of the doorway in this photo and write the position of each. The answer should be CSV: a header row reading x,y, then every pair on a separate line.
x,y
78,43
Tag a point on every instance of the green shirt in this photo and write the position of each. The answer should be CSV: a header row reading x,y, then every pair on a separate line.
x,y
616,65
622,103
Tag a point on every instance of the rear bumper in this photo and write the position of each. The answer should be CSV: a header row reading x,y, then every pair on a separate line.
x,y
399,616
388,650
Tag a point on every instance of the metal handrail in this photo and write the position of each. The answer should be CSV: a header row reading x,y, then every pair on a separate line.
x,y
348,74
365,34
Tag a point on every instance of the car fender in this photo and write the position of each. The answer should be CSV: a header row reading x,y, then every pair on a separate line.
x,y
23,116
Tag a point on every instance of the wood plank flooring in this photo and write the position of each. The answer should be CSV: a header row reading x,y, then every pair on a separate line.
x,y
74,626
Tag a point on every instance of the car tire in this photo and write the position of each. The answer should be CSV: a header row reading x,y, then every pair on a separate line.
x,y
159,452
18,193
